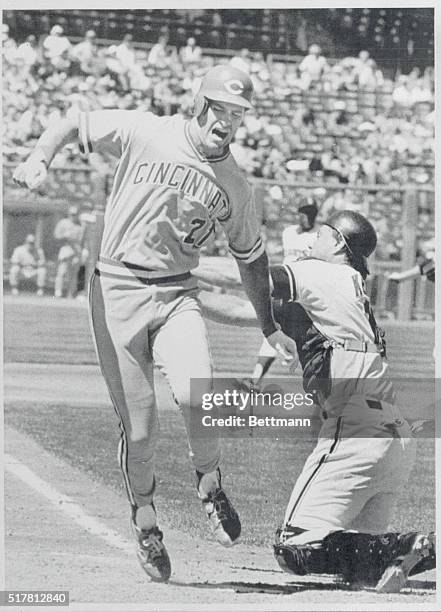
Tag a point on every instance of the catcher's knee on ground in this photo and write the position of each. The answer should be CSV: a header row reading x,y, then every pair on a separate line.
x,y
357,557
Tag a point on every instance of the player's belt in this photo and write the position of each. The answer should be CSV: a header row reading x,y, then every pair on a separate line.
x,y
360,346
122,270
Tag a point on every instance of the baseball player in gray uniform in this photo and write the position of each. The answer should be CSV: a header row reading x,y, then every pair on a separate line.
x,y
175,179
337,519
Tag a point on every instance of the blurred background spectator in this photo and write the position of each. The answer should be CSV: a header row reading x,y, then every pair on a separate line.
x,y
191,53
159,55
28,263
57,47
313,67
69,234
85,53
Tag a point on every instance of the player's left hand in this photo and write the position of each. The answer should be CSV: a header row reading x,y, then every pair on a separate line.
x,y
285,346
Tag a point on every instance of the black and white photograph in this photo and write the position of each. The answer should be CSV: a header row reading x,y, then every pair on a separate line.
x,y
219,334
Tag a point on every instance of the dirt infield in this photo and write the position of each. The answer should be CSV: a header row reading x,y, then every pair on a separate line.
x,y
54,552
65,529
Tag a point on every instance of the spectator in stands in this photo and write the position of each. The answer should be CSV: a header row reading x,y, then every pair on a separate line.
x,y
69,232
116,71
340,199
85,53
242,61
27,52
259,68
313,66
57,48
302,36
339,78
9,46
361,61
335,163
191,53
132,73
298,239
165,97
402,93
125,52
216,19
422,92
368,76
28,263
21,130
158,55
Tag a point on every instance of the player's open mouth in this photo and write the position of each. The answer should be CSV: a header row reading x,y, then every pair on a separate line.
x,y
221,134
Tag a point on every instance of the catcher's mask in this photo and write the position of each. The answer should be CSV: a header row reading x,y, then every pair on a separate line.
x,y
224,84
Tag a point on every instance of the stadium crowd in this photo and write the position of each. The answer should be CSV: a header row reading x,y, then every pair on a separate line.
x,y
318,120
397,37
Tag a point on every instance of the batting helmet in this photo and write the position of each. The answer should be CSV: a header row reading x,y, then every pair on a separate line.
x,y
357,232
225,84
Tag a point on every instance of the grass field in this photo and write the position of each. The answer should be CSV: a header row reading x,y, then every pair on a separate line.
x,y
259,473
36,330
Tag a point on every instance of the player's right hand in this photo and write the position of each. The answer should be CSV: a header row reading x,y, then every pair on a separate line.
x,y
31,173
393,276
285,346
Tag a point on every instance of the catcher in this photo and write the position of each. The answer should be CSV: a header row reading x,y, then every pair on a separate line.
x,y
337,519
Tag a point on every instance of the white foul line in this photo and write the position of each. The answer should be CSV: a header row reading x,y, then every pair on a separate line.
x,y
67,505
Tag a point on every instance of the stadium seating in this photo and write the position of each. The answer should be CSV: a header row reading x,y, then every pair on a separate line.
x,y
343,31
325,123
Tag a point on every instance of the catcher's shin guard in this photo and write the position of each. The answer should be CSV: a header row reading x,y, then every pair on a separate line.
x,y
361,557
300,559
384,561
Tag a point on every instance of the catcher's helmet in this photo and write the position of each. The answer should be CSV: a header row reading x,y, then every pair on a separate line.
x,y
225,84
357,232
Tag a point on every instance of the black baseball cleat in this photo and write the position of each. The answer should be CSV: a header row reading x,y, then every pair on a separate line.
x,y
417,550
223,518
152,553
